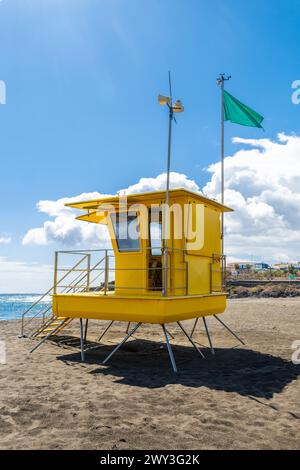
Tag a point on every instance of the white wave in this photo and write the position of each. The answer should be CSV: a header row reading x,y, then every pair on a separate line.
x,y
26,299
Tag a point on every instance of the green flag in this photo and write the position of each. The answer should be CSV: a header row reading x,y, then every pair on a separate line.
x,y
239,113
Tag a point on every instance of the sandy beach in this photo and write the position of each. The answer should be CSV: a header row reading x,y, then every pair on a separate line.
x,y
241,398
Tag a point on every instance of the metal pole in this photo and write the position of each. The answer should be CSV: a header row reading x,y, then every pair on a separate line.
x,y
224,285
86,329
191,341
194,327
208,335
121,344
81,340
55,272
106,274
221,82
170,334
222,176
88,273
106,329
169,350
230,331
186,278
165,272
22,327
222,139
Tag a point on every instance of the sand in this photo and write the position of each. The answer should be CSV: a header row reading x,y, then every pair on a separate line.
x,y
241,398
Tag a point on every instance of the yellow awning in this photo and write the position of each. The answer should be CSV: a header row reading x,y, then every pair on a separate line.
x,y
95,217
107,204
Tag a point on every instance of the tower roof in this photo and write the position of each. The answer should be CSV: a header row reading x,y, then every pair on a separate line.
x,y
147,198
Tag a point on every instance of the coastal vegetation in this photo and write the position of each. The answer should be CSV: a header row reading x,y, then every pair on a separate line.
x,y
264,291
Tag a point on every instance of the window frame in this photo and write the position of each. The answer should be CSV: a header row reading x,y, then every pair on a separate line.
x,y
114,223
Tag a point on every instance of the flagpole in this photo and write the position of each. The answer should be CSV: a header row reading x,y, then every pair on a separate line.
x,y
221,82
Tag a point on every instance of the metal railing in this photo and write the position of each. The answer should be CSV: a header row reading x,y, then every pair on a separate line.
x,y
220,274
107,271
96,272
45,313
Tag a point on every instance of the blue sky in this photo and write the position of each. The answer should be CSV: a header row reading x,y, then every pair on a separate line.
x,y
82,79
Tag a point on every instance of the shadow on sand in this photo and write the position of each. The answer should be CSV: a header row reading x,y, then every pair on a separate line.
x,y
142,363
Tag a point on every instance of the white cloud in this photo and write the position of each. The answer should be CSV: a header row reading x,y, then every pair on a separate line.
x,y
263,186
24,277
5,240
177,180
64,229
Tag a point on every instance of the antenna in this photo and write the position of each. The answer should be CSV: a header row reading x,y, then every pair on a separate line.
x,y
223,78
170,85
177,107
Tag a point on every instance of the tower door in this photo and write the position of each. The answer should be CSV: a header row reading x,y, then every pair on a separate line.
x,y
155,262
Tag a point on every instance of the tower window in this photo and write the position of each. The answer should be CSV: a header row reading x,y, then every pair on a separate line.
x,y
126,228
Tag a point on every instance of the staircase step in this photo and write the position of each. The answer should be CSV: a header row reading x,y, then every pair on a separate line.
x,y
58,323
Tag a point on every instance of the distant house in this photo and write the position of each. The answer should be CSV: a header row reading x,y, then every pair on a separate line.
x,y
287,267
242,266
261,266
231,267
246,266
281,266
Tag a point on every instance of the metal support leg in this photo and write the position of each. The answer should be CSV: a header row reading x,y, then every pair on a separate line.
x,y
169,349
194,327
170,334
208,335
48,336
121,344
105,331
81,340
230,331
128,326
191,341
86,329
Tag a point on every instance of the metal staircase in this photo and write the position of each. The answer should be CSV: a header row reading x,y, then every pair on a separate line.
x,y
39,321
51,325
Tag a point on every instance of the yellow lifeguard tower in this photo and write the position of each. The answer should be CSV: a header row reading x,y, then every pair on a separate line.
x,y
166,263
145,277
155,281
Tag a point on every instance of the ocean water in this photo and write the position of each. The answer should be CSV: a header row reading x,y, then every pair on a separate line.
x,y
13,305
